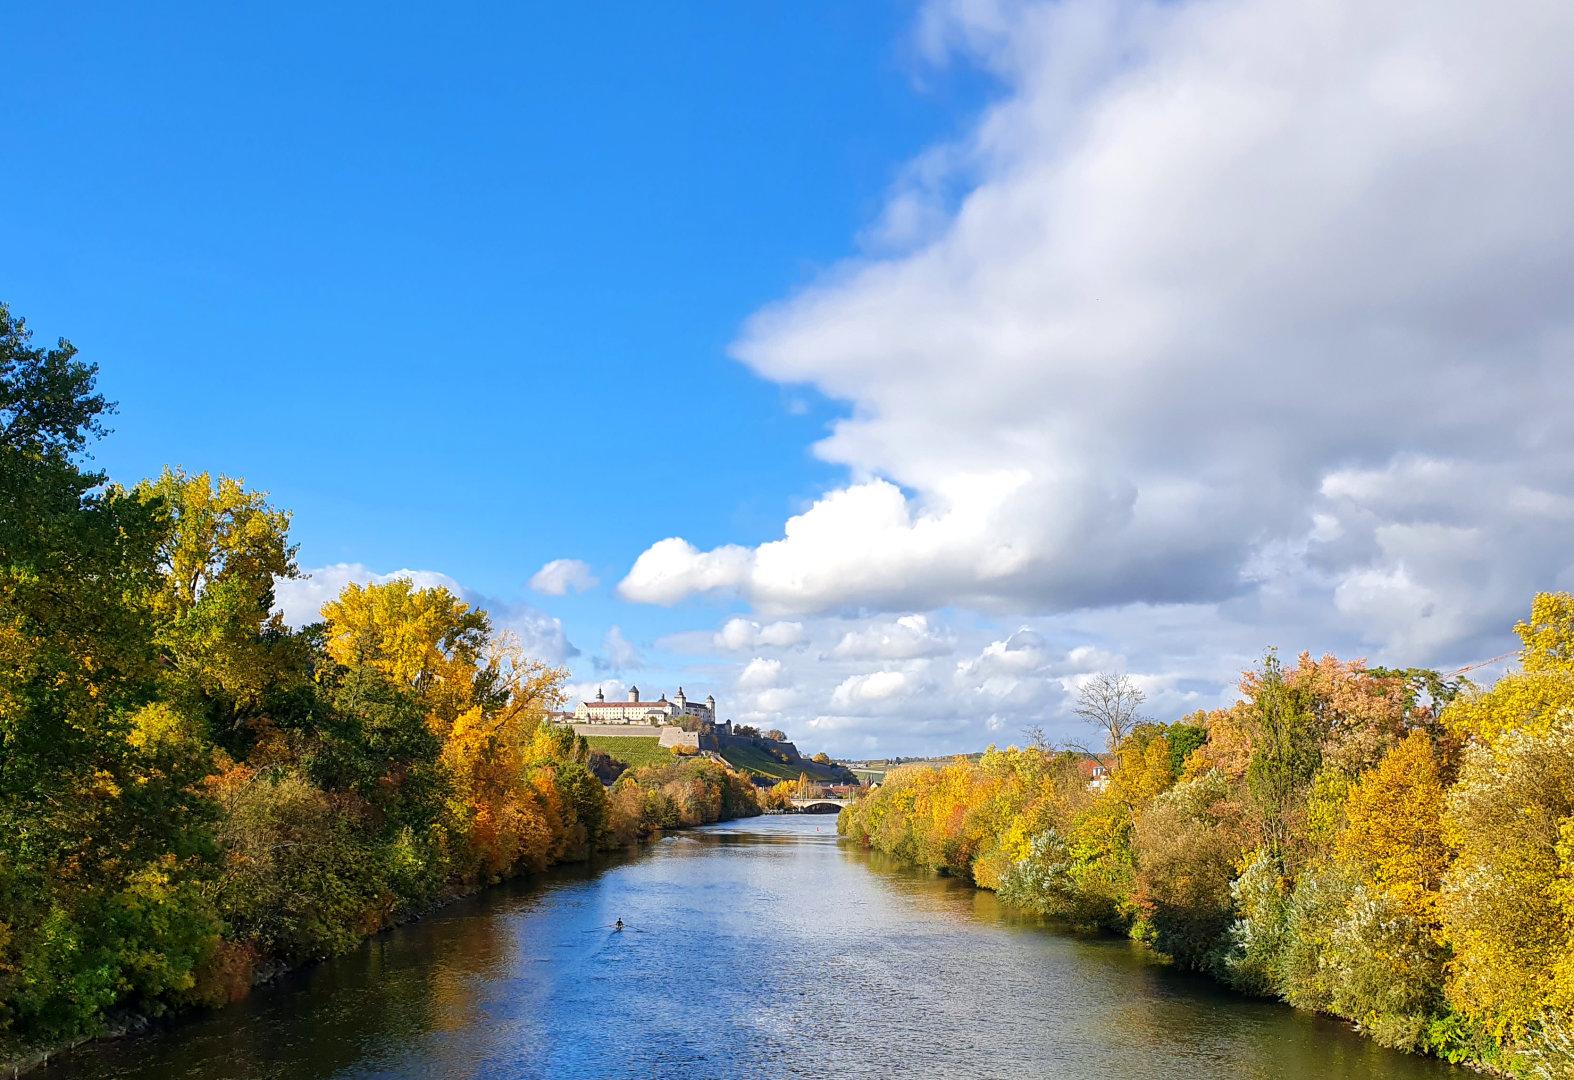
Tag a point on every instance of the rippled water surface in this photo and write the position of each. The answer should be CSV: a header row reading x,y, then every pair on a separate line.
x,y
756,948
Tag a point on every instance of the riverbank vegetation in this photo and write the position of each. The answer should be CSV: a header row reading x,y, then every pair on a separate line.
x,y
1384,846
192,793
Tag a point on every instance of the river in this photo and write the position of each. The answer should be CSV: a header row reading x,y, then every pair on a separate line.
x,y
758,948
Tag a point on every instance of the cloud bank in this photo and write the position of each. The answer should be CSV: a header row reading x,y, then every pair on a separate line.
x,y
1258,311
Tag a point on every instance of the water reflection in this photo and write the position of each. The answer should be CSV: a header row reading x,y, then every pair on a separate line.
x,y
758,948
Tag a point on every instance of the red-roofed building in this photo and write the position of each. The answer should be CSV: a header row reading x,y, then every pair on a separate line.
x,y
1095,772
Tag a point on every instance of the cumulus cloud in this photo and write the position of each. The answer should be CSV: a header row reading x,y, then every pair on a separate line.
x,y
1024,651
907,638
760,673
562,576
1257,310
764,708
539,634
612,689
738,634
618,653
990,685
874,688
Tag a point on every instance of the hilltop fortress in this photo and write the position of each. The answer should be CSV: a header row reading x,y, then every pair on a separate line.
x,y
691,727
635,711
678,723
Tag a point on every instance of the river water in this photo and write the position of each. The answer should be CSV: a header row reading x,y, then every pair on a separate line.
x,y
758,948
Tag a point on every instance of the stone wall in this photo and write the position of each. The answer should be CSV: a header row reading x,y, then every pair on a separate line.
x,y
621,731
668,735
674,736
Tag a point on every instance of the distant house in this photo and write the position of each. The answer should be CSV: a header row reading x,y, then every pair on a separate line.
x,y
1095,772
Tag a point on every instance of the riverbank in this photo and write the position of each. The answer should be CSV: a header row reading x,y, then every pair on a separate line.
x,y
1371,845
1095,934
757,947
130,1026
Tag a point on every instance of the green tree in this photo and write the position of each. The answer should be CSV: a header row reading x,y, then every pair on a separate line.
x,y
375,743
228,656
98,815
1183,739
1286,750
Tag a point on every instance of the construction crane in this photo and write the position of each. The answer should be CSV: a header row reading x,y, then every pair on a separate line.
x,y
1480,664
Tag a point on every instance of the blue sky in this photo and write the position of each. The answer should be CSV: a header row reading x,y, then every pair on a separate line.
x,y
456,288
955,350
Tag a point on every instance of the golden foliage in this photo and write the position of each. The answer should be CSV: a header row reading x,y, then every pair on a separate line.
x,y
1393,836
1505,899
1532,698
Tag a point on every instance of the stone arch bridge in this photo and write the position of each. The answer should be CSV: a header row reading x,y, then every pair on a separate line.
x,y
822,804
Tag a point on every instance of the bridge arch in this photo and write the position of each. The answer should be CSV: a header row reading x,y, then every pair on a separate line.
x,y
824,805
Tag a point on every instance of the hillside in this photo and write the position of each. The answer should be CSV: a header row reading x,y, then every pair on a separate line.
x,y
634,751
754,760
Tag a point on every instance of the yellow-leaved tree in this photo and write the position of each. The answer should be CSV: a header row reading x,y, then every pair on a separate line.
x,y
220,549
483,698
427,641
1393,834
1507,904
1532,698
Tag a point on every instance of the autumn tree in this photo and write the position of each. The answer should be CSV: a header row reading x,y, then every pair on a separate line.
x,y
101,835
218,536
1286,749
427,641
1533,697
1393,838
227,651
1190,841
1506,903
483,700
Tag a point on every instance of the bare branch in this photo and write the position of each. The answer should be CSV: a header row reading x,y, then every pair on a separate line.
x,y
1109,702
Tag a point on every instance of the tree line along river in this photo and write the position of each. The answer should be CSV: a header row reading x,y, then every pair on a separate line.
x,y
757,948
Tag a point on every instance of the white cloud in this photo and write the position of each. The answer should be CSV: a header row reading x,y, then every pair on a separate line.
x,y
673,569
1024,651
738,634
539,634
765,708
874,688
760,673
618,653
781,635
1258,311
562,576
907,638
999,683
612,689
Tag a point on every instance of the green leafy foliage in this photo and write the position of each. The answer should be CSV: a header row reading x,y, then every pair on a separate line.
x,y
190,791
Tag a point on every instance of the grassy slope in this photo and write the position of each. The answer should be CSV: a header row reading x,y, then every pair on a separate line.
x,y
633,750
754,760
